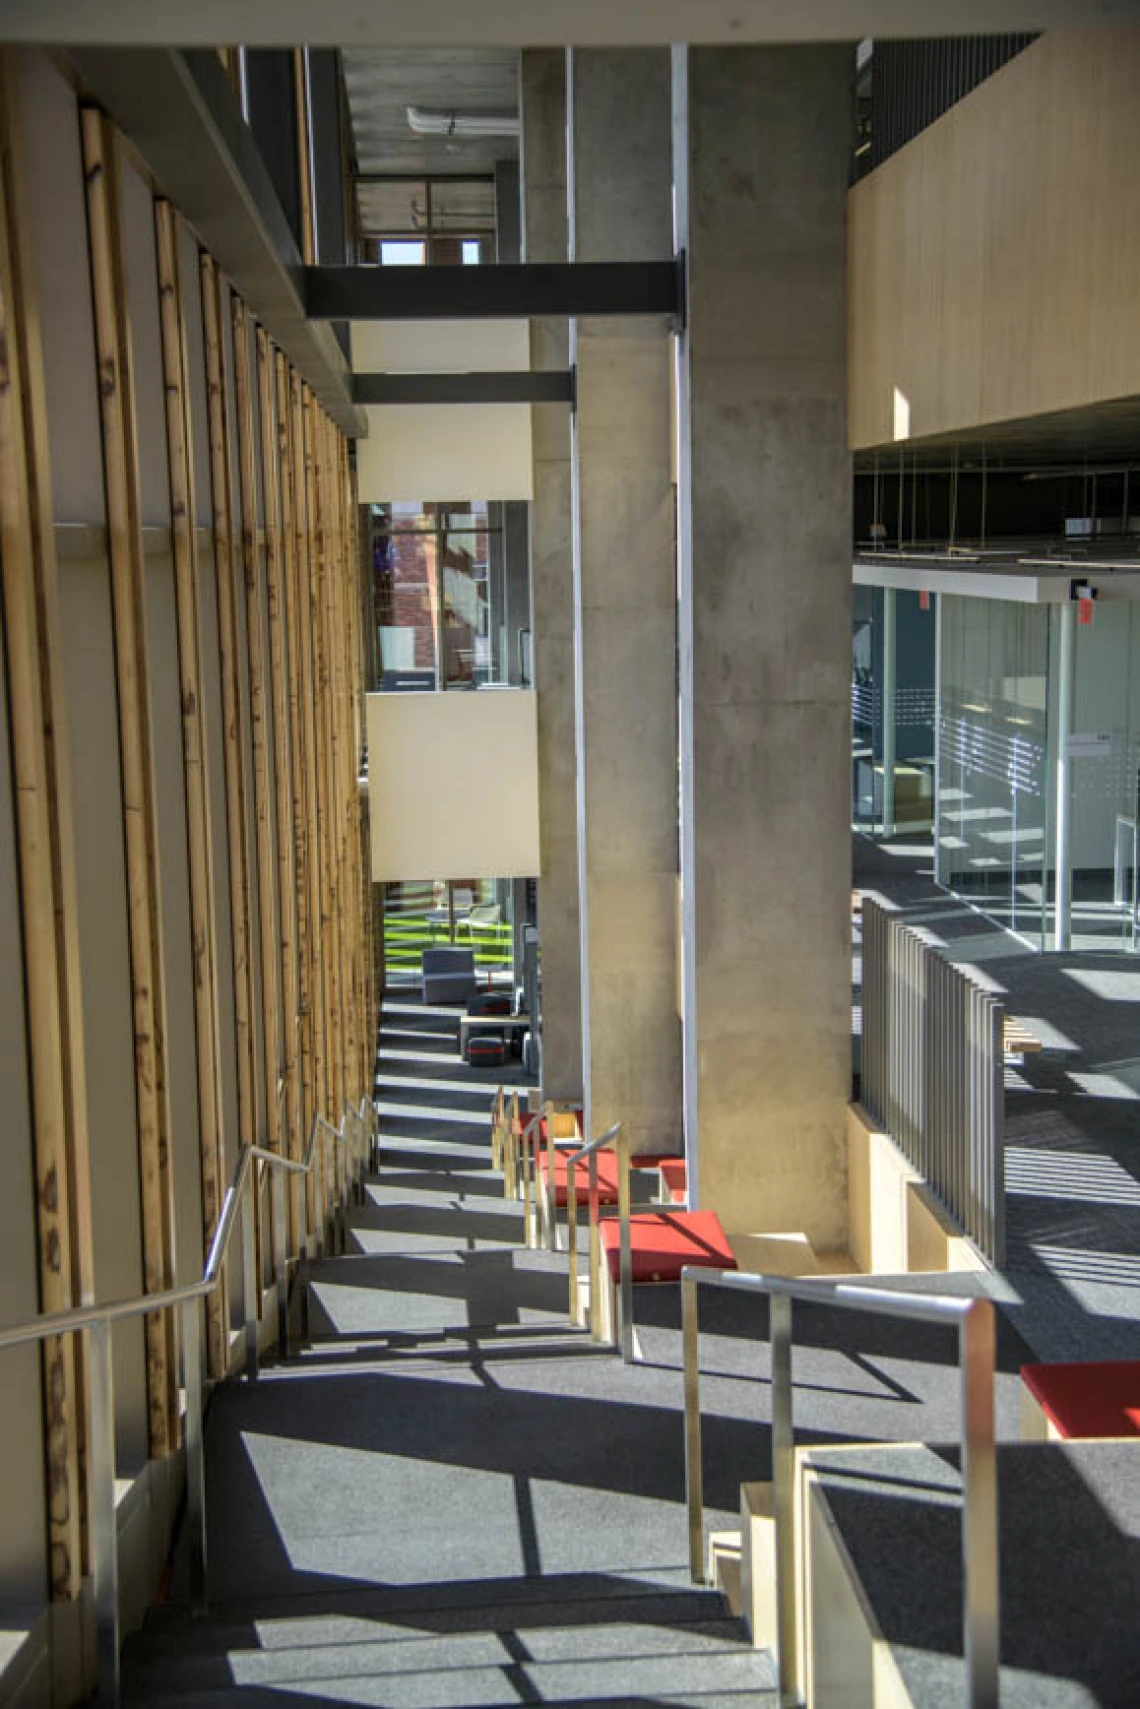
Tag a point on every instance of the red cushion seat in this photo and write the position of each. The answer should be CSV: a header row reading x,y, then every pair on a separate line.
x,y
607,1178
674,1178
1090,1399
663,1243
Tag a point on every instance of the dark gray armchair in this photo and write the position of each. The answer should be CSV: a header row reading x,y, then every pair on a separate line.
x,y
448,975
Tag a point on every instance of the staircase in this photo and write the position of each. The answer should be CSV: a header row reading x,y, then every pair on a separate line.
x,y
450,1496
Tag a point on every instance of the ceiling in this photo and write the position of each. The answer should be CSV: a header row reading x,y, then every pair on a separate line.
x,y
383,85
1106,432
539,23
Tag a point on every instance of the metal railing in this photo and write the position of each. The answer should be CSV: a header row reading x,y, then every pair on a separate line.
x,y
614,1138
933,1071
350,1149
974,1319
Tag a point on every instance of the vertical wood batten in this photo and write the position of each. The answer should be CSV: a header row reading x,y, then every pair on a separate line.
x,y
319,808
304,157
259,718
291,500
275,478
314,999
27,563
186,571
326,796
222,504
124,529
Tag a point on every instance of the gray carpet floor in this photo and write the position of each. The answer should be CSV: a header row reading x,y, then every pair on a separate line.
x,y
449,1496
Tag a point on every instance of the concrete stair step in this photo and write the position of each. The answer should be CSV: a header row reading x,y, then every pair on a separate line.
x,y
382,1648
459,1290
669,1677
656,1599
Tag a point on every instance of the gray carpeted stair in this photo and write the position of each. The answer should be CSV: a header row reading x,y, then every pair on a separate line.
x,y
449,1497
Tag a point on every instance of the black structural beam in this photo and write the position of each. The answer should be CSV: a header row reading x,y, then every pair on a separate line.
x,y
506,292
545,386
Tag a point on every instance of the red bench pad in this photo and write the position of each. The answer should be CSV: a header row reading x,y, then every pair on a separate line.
x,y
662,1243
1097,1398
607,1178
674,1178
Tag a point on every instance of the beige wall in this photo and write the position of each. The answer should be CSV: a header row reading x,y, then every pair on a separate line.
x,y
453,785
439,346
428,451
993,260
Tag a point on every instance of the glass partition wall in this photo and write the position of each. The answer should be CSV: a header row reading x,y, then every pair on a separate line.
x,y
476,913
993,818
1037,710
892,712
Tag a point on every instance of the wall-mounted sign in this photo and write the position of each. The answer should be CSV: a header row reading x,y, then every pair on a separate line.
x,y
1089,745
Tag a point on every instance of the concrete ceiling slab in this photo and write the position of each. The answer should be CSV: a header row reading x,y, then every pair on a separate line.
x,y
539,23
382,86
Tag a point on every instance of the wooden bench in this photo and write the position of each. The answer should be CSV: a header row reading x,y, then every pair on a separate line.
x,y
1017,1040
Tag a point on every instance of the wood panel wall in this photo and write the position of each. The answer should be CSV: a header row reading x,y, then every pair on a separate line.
x,y
269,654
993,260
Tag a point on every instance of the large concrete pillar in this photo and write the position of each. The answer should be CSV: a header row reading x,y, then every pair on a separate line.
x,y
763,142
543,104
626,607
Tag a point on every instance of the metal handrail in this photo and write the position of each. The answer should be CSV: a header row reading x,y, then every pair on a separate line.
x,y
554,1143
97,1320
976,1344
616,1137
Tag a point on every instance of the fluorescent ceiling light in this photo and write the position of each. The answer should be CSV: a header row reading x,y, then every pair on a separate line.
x,y
426,122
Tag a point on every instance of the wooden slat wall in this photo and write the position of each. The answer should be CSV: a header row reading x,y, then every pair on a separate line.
x,y
140,825
184,541
993,260
298,675
28,588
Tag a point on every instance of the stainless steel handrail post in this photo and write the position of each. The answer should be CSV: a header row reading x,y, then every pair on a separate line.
x,y
784,1496
195,1455
597,1328
104,1541
281,1195
694,1463
249,1269
980,1560
572,1237
625,1236
551,1230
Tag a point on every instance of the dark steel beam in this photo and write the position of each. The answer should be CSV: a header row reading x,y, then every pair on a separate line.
x,y
493,293
546,386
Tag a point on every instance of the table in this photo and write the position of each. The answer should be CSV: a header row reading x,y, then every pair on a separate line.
x,y
487,1023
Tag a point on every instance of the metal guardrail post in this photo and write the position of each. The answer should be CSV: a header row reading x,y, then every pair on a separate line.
x,y
626,1247
694,1463
551,1230
977,1346
997,1177
783,1497
104,1540
281,1248
195,1455
597,1328
249,1271
572,1239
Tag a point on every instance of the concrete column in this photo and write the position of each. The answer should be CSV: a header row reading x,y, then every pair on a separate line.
x,y
626,607
543,166
762,149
